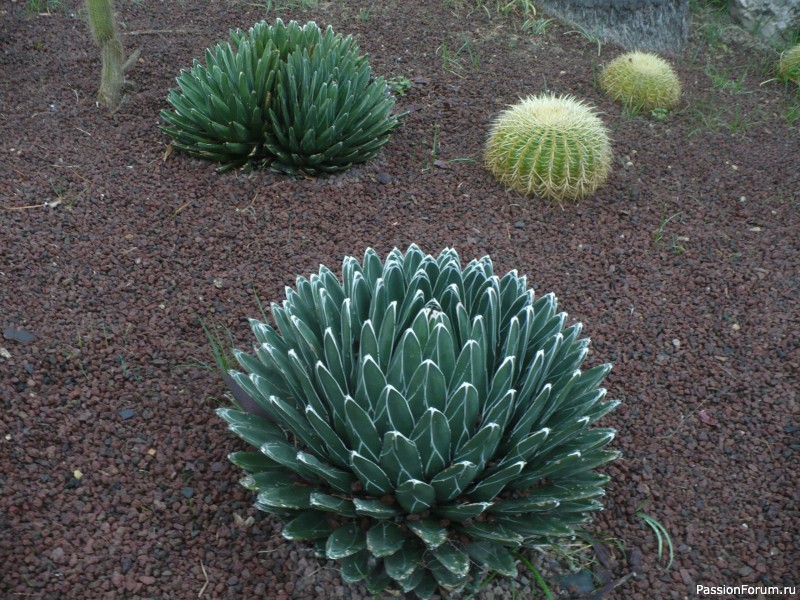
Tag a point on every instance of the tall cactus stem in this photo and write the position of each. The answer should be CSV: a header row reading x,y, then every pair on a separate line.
x,y
104,32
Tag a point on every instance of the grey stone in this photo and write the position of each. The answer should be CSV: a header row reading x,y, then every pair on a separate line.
x,y
768,19
654,25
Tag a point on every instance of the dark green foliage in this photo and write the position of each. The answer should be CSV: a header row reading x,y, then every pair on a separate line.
x,y
288,96
424,420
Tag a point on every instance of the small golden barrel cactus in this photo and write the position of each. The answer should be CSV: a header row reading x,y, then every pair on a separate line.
x,y
555,147
641,81
789,65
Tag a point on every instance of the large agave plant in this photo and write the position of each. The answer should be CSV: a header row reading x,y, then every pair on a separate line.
x,y
419,420
286,95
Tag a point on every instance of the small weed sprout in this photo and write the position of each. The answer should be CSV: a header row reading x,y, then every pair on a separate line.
x,y
662,535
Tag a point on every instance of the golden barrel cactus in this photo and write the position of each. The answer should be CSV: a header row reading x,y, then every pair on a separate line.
x,y
789,65
641,81
554,147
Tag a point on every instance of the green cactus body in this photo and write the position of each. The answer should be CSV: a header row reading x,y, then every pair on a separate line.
x,y
641,81
789,65
554,147
112,77
418,421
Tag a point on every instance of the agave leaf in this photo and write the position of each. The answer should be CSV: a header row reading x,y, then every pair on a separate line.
x,y
373,268
426,587
469,367
481,447
335,449
386,335
405,360
500,412
575,407
309,525
413,580
384,539
286,455
251,462
268,479
590,379
410,260
526,421
395,283
493,556
392,413
377,579
489,487
444,576
427,389
501,382
429,532
402,563
345,541
462,415
511,336
294,497
361,430
354,568
375,509
601,409
255,436
400,458
534,525
253,365
452,482
415,496
421,328
377,310
334,504
432,436
368,346
371,475
335,397
308,396
525,506
528,447
239,418
559,394
569,462
453,557
441,350
338,479
360,295
294,422
493,532
589,440
462,512
371,383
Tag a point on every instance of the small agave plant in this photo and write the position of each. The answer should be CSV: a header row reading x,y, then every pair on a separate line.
x,y
293,97
420,421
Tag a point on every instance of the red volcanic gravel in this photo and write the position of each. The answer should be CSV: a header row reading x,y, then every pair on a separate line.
x,y
114,481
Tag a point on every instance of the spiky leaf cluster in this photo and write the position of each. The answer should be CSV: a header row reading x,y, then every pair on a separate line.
x,y
554,147
641,81
419,420
789,65
291,96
